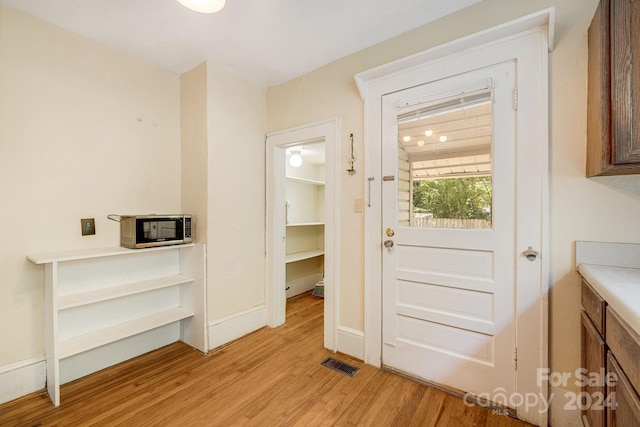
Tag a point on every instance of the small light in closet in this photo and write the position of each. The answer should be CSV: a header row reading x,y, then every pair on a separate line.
x,y
295,159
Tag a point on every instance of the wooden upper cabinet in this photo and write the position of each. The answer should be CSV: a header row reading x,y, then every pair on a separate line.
x,y
613,110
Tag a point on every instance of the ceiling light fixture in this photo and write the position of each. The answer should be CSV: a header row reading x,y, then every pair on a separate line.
x,y
204,6
428,132
406,138
443,138
296,159
420,143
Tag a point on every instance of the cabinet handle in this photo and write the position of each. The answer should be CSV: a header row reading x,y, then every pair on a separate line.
x,y
369,179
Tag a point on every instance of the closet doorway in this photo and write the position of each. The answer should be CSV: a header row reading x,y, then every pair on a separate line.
x,y
302,219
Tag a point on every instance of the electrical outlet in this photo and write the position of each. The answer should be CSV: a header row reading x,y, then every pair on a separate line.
x,y
88,226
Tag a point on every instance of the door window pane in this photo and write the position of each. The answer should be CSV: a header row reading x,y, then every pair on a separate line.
x,y
445,163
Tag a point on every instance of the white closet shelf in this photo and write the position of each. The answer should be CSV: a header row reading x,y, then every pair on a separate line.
x,y
299,256
112,292
304,224
82,343
304,180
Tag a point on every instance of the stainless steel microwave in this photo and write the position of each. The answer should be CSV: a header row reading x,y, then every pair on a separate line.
x,y
146,231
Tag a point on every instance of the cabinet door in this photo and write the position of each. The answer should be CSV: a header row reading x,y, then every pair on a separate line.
x,y
624,410
593,305
613,110
624,343
593,360
599,158
625,80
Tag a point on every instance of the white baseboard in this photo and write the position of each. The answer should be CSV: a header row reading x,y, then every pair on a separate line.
x,y
351,342
300,286
22,378
227,329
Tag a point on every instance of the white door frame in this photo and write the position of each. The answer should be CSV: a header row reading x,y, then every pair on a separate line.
x,y
527,40
275,244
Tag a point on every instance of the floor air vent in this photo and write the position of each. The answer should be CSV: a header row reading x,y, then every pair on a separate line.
x,y
339,366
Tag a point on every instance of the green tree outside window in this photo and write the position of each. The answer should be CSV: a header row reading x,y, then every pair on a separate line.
x,y
455,198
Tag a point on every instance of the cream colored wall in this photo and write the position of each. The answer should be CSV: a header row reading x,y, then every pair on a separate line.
x,y
236,193
321,95
604,209
84,132
194,147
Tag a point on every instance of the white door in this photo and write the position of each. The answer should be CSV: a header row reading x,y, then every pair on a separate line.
x,y
449,227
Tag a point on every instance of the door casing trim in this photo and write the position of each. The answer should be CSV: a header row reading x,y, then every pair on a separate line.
x,y
276,144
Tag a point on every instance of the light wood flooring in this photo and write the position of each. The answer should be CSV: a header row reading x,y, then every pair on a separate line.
x,y
272,377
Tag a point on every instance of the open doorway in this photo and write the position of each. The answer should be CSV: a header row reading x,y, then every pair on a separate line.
x,y
302,219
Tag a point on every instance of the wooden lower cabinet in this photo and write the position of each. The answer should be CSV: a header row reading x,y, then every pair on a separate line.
x,y
594,306
610,351
624,410
593,360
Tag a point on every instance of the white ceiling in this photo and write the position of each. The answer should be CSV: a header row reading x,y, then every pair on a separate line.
x,y
268,41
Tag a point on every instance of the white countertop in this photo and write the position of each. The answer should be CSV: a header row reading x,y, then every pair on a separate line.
x,y
619,287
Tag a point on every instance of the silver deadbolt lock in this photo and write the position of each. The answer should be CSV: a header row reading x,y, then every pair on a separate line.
x,y
531,254
388,244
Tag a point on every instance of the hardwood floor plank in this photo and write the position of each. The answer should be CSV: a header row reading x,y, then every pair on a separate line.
x,y
407,411
429,410
271,377
383,391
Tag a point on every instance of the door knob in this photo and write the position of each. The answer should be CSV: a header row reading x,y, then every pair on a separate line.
x,y
531,254
388,244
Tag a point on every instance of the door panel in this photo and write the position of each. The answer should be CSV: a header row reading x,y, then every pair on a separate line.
x,y
449,278
456,342
415,300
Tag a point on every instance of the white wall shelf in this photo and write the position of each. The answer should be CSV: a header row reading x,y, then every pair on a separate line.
x,y
104,294
305,224
299,256
96,298
304,180
100,337
82,254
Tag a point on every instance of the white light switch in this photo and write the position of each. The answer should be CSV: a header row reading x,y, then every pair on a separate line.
x,y
358,205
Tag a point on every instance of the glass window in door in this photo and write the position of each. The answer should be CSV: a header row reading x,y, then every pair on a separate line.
x,y
445,163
